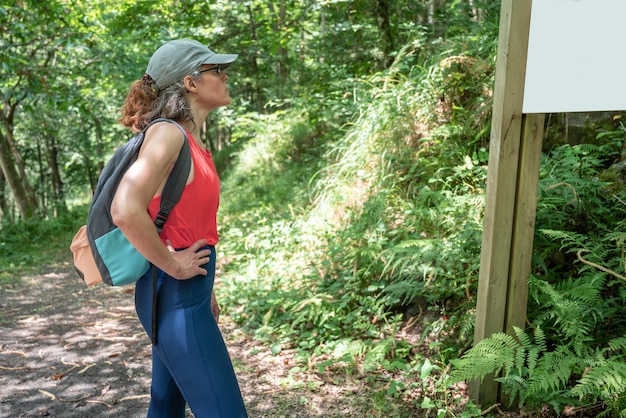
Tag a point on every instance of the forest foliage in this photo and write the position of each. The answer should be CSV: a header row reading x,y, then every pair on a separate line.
x,y
353,162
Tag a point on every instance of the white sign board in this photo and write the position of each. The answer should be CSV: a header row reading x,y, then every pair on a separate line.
x,y
576,56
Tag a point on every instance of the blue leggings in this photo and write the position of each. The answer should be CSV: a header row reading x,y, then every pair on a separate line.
x,y
190,362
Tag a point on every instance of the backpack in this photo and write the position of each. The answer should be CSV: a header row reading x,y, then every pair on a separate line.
x,y
101,251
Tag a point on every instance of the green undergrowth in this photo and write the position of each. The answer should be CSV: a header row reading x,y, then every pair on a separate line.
x,y
330,247
27,247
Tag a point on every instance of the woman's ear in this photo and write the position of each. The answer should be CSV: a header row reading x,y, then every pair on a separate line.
x,y
190,83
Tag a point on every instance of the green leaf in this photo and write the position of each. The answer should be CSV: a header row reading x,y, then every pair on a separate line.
x,y
427,368
427,403
276,348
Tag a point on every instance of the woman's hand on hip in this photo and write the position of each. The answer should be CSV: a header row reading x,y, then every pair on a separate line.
x,y
190,259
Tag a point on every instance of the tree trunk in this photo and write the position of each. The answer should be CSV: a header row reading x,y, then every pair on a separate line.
x,y
323,22
43,186
3,199
432,7
283,61
54,173
13,167
92,175
277,21
277,25
255,67
475,10
99,147
382,16
21,190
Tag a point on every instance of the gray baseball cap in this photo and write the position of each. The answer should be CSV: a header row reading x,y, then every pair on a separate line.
x,y
176,59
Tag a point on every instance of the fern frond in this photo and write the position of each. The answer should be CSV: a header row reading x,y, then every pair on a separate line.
x,y
490,355
514,385
406,290
552,372
608,378
523,338
568,238
617,344
619,236
532,358
588,148
540,339
414,243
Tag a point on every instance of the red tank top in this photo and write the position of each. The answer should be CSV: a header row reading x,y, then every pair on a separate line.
x,y
195,215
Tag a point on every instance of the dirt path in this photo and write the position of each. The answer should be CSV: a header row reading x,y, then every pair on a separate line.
x,y
71,351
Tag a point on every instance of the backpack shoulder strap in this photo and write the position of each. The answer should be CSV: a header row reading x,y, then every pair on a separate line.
x,y
175,184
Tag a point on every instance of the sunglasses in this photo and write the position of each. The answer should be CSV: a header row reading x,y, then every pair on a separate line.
x,y
217,69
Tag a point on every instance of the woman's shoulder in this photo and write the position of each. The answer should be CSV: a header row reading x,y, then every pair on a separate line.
x,y
165,134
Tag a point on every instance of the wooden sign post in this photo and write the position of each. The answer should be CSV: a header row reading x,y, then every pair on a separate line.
x,y
513,174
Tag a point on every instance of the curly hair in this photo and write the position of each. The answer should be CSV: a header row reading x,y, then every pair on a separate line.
x,y
145,102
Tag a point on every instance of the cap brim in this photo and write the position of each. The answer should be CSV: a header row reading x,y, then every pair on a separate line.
x,y
223,60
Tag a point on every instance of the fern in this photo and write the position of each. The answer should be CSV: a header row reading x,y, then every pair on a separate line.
x,y
516,386
489,356
606,378
537,376
553,371
568,239
529,371
617,345
564,313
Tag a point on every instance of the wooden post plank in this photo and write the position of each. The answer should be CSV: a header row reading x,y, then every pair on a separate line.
x,y
524,226
502,179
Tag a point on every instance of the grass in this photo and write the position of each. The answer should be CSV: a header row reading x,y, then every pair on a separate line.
x,y
30,247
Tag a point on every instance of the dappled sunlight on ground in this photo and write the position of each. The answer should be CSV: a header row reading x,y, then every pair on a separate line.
x,y
71,351
67,350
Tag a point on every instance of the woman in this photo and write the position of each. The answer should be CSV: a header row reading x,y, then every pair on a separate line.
x,y
184,81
